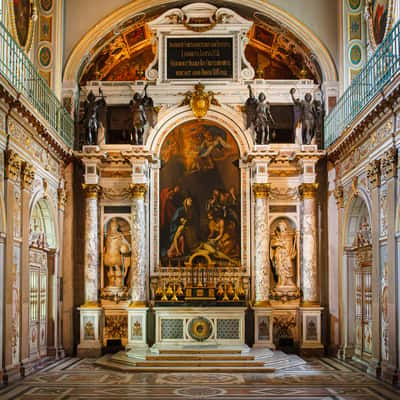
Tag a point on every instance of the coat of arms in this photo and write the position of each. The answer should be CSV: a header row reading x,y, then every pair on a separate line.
x,y
199,100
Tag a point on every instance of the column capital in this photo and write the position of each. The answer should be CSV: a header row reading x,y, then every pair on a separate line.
x,y
261,190
308,190
339,196
138,190
13,165
374,173
389,163
91,190
62,198
27,175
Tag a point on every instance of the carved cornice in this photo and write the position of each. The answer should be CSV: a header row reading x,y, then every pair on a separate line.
x,y
339,196
13,165
27,175
261,190
374,173
308,190
138,190
92,191
62,198
389,163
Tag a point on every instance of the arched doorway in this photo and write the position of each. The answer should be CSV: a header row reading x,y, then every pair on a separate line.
x,y
358,280
42,249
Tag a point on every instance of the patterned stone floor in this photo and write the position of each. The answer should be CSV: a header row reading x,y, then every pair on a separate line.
x,y
323,378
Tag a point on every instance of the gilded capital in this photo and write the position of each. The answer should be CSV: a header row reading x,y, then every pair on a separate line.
x,y
389,163
261,190
62,198
91,190
13,165
27,175
308,190
138,190
339,196
374,173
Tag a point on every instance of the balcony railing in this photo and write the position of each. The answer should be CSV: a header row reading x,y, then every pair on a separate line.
x,y
16,67
380,69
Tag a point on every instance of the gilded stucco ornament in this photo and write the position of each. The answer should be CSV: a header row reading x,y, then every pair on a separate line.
x,y
339,196
199,100
374,173
27,175
389,163
62,198
13,165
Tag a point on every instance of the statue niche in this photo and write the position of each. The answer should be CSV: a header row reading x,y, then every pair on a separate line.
x,y
283,256
116,258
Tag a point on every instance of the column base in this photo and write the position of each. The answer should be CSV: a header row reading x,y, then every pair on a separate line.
x,y
91,329
137,328
263,325
390,373
374,368
11,374
309,320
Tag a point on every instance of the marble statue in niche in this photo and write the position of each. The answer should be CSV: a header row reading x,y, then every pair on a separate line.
x,y
283,254
117,254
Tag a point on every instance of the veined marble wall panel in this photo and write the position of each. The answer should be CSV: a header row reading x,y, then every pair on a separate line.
x,y
384,302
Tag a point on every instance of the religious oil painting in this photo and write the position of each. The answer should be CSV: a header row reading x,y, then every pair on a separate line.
x,y
117,252
21,11
380,14
200,195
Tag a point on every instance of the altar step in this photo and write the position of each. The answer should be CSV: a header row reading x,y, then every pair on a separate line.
x,y
193,360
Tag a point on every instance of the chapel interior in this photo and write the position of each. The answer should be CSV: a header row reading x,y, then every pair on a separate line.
x,y
199,199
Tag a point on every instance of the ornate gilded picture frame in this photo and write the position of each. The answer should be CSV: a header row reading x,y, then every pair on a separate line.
x,y
380,20
22,21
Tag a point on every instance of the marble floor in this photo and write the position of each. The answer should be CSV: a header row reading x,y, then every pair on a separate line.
x,y
322,378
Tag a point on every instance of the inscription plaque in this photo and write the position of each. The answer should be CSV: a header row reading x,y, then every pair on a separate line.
x,y
200,58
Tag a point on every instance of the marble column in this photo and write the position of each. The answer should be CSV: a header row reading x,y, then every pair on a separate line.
x,y
374,177
261,233
91,257
27,177
138,283
309,266
91,315
390,367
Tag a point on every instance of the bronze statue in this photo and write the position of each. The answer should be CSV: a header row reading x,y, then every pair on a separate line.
x,y
94,107
258,113
143,112
306,112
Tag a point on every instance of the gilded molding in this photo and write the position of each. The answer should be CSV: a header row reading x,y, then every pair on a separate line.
x,y
261,190
62,198
389,163
27,175
91,190
308,190
339,196
13,165
138,190
374,173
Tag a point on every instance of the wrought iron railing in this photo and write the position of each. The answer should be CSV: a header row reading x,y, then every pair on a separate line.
x,y
16,67
380,69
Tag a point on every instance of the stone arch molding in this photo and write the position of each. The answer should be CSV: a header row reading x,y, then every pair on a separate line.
x,y
224,116
82,49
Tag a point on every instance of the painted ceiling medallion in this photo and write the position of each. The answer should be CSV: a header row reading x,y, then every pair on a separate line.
x,y
199,100
200,329
23,17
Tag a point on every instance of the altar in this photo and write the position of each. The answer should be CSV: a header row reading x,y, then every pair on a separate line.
x,y
201,229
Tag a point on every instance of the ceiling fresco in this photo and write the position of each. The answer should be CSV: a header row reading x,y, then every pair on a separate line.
x,y
124,53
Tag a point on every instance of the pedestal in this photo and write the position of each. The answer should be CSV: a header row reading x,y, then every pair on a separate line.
x,y
91,327
263,325
137,328
310,323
